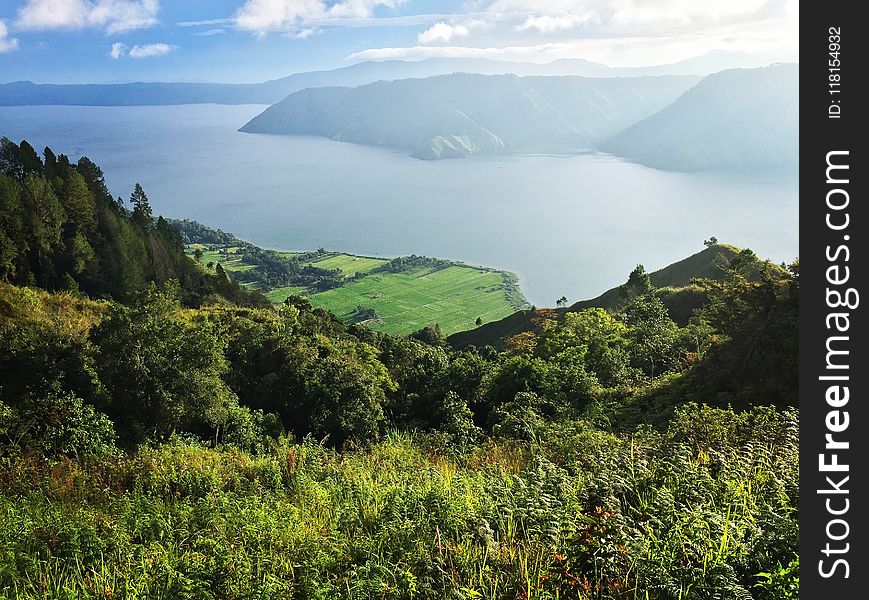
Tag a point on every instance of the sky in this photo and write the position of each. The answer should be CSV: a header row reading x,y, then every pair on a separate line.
x,y
90,41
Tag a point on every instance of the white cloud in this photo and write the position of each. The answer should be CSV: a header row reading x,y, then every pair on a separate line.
x,y
304,34
617,32
149,50
286,15
442,32
118,50
7,44
623,15
685,12
210,32
637,50
551,23
112,15
536,53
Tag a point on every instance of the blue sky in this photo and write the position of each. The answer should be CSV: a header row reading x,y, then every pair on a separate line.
x,y
65,41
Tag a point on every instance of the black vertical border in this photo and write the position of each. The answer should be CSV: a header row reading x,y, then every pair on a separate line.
x,y
819,135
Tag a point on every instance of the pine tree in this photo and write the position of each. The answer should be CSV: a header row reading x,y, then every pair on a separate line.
x,y
142,213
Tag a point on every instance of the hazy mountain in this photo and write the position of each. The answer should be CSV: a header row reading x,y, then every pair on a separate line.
x,y
270,92
706,64
740,118
463,114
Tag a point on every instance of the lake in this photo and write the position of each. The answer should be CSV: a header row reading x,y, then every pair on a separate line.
x,y
567,225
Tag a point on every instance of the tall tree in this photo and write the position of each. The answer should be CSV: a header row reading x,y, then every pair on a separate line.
x,y
143,216
638,283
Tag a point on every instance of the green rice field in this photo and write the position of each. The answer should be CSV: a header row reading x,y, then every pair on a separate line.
x,y
402,302
453,298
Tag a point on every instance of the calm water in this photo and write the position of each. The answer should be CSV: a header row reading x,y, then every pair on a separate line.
x,y
567,225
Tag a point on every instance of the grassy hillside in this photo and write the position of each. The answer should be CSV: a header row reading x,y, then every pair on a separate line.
x,y
398,521
673,281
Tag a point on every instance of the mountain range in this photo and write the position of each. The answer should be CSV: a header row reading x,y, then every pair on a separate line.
x,y
735,119
462,114
269,92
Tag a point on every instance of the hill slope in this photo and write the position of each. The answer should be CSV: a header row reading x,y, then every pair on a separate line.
x,y
672,281
740,118
464,114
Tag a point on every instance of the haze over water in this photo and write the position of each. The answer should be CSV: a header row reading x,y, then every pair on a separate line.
x,y
567,225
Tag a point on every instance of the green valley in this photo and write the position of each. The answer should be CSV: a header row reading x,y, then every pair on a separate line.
x,y
399,295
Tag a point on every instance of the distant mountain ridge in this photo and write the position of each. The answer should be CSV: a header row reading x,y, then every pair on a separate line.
x,y
464,114
735,119
21,93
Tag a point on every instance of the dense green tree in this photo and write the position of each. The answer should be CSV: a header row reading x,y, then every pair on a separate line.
x,y
55,422
94,179
516,374
519,418
60,228
430,334
418,370
638,283
35,356
19,160
345,390
78,202
162,373
44,221
49,164
456,419
654,337
755,312
14,243
602,337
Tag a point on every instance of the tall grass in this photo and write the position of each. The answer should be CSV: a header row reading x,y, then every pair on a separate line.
x,y
702,510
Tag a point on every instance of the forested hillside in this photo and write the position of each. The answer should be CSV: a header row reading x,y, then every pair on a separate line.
x,y
60,229
160,440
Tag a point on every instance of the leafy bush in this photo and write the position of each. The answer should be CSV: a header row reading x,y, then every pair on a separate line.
x,y
55,422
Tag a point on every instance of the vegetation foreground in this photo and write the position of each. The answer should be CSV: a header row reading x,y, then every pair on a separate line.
x,y
166,433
